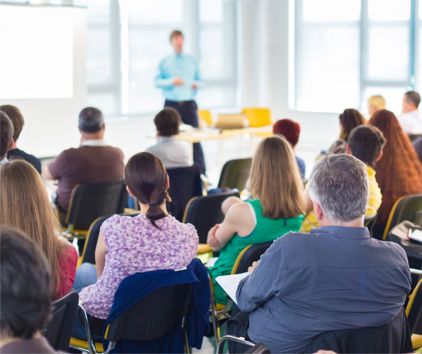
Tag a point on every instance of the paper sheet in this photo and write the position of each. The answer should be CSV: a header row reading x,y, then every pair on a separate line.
x,y
416,235
230,283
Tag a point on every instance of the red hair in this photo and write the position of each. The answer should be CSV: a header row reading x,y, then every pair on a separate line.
x,y
289,129
399,172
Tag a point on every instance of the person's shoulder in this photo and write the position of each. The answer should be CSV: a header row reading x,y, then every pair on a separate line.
x,y
397,252
241,209
69,252
166,59
116,150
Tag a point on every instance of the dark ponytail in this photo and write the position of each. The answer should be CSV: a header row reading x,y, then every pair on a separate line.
x,y
146,177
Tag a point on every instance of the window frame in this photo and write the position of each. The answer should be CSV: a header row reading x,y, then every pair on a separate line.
x,y
364,24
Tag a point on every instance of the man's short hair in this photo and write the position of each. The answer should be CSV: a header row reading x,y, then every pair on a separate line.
x,y
16,117
413,97
91,120
25,280
176,33
167,122
366,143
339,184
289,129
6,134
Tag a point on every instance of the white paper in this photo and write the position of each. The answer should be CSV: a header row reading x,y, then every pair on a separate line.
x,y
230,283
416,235
211,262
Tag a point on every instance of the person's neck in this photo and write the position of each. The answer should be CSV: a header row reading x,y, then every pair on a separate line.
x,y
93,136
13,147
145,207
4,340
354,223
411,110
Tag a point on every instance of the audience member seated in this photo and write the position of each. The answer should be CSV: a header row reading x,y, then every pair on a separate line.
x,y
334,278
399,171
172,152
365,143
16,117
375,103
417,144
411,118
24,205
291,131
6,136
276,208
150,241
25,294
93,161
349,120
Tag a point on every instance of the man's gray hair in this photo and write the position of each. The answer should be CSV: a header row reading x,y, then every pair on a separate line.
x,y
339,184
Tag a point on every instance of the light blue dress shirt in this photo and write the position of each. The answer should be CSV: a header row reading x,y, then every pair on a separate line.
x,y
178,65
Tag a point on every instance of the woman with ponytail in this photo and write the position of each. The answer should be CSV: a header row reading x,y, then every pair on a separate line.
x,y
152,240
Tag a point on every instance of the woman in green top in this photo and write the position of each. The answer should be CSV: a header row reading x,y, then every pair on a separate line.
x,y
277,207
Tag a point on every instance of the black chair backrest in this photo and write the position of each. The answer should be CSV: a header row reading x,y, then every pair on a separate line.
x,y
88,253
89,201
154,316
205,212
408,208
60,327
394,337
252,254
235,174
185,183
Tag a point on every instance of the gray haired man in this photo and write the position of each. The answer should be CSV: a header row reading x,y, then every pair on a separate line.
x,y
336,277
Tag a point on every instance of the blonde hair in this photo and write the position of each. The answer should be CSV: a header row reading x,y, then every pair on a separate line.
x,y
275,179
24,205
377,102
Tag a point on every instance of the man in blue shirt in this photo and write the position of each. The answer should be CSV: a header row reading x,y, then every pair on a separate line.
x,y
337,277
178,77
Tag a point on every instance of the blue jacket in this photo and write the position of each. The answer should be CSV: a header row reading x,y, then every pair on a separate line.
x,y
137,286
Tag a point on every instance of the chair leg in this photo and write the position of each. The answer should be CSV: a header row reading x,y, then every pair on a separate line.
x,y
91,344
110,347
241,340
188,349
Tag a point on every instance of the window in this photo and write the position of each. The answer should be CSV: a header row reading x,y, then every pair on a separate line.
x,y
353,48
217,53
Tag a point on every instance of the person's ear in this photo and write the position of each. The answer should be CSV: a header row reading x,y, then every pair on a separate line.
x,y
130,192
168,183
318,211
380,155
348,149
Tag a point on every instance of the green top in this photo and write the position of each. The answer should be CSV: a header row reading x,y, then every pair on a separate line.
x,y
266,230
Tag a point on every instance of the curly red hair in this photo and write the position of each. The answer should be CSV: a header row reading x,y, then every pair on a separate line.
x,y
399,172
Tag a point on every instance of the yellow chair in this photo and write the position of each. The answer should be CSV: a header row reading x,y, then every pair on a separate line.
x,y
220,312
205,116
414,314
257,116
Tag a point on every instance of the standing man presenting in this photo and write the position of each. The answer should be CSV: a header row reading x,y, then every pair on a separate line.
x,y
178,77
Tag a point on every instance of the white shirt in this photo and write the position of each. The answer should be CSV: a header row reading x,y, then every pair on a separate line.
x,y
411,122
172,152
3,161
94,142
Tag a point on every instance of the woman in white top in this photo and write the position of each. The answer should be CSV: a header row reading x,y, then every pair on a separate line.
x,y
172,152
